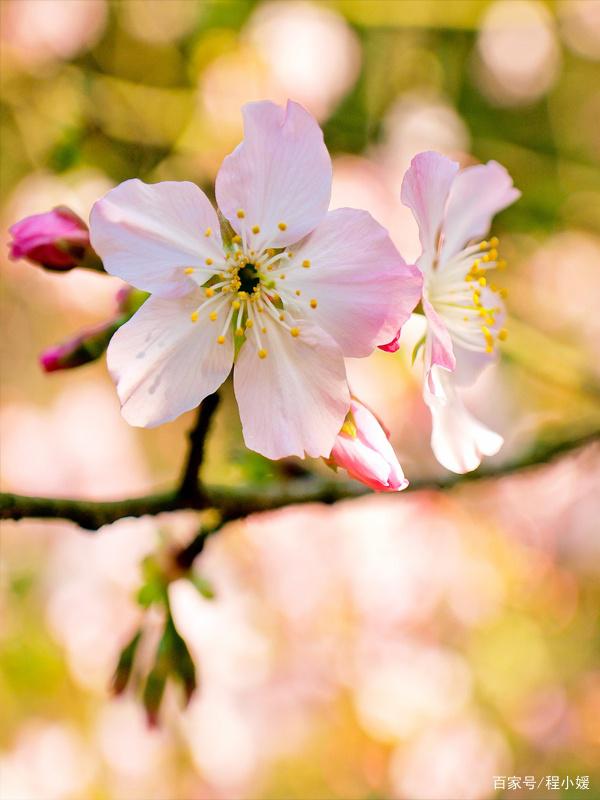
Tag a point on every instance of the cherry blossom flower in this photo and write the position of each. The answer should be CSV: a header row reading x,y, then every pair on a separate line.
x,y
464,311
291,292
363,449
57,240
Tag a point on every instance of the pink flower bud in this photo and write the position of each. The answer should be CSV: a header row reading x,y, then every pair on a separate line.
x,y
57,240
81,349
363,449
91,343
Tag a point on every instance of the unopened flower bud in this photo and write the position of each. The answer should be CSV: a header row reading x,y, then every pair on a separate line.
x,y
85,347
57,240
363,449
91,343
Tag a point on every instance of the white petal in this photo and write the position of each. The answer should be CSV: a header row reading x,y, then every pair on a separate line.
x,y
364,289
471,363
165,364
279,174
148,233
425,190
458,440
439,349
477,194
295,400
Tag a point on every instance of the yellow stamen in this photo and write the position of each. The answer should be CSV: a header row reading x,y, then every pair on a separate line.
x,y
208,262
349,428
189,271
282,277
220,340
236,239
489,339
483,245
209,291
240,213
194,316
503,334
255,229
482,281
313,303
249,323
262,353
239,332
207,232
295,331
236,305
306,263
494,241
298,293
282,226
213,316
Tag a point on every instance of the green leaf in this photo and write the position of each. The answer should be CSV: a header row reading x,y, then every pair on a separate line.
x,y
203,586
153,694
152,592
125,665
416,349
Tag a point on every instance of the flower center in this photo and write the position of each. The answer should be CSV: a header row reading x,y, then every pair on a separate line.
x,y
245,288
249,278
461,293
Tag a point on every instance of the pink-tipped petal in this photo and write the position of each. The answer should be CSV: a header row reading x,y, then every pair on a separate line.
x,y
393,346
148,234
279,177
478,193
458,440
293,401
368,456
165,364
425,189
364,289
439,351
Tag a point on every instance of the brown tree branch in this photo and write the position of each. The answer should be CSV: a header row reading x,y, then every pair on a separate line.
x,y
237,502
189,489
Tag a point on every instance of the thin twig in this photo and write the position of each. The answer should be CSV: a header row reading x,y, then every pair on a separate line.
x,y
236,502
185,557
189,490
